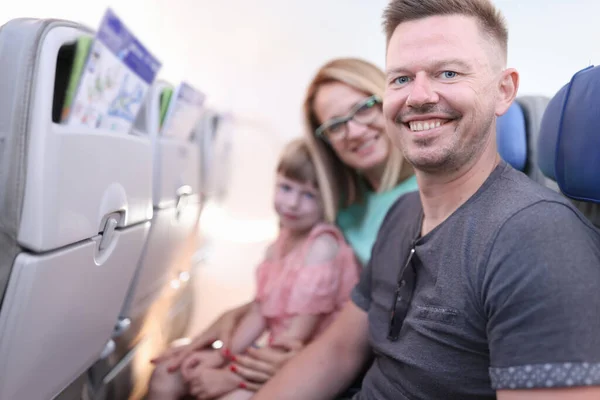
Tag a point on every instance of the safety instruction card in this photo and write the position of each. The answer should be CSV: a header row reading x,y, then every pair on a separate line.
x,y
183,112
115,79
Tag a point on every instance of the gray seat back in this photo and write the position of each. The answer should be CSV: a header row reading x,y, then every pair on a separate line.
x,y
176,202
17,60
75,206
533,109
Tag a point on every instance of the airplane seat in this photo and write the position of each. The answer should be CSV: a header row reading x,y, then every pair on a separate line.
x,y
75,210
533,110
511,137
164,273
181,312
176,201
216,148
516,136
569,142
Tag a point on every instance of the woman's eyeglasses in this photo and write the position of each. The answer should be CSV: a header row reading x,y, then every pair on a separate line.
x,y
364,113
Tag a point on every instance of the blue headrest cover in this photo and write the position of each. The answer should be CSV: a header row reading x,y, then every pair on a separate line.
x,y
569,141
511,137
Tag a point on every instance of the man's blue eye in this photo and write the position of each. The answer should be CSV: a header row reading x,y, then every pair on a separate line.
x,y
401,80
449,74
309,195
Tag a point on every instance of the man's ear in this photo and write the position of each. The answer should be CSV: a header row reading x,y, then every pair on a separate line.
x,y
507,90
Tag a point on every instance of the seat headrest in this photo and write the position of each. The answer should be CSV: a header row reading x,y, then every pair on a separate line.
x,y
511,137
569,142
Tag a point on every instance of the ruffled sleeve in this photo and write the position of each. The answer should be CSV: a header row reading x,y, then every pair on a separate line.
x,y
316,288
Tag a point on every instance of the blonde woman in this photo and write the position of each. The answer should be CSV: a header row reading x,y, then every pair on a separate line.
x,y
345,128
345,124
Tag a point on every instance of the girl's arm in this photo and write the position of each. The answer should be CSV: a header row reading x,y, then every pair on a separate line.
x,y
251,325
323,250
248,330
301,328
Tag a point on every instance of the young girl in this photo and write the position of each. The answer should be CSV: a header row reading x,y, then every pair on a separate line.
x,y
305,279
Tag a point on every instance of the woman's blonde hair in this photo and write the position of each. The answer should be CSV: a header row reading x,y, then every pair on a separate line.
x,y
297,162
344,188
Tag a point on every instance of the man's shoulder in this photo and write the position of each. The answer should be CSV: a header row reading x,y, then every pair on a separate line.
x,y
511,204
525,208
514,192
516,184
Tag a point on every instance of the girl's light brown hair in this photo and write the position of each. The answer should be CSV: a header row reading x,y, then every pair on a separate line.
x,y
297,163
344,186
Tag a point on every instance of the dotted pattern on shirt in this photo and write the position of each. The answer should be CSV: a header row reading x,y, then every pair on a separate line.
x,y
545,376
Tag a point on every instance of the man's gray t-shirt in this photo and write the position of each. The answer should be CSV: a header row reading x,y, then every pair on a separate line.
x,y
505,294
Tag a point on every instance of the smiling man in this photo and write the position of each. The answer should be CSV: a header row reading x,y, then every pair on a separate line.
x,y
482,285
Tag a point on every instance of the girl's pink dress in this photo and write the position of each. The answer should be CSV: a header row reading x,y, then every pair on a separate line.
x,y
287,287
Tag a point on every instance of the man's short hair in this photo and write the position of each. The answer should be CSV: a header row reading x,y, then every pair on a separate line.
x,y
489,17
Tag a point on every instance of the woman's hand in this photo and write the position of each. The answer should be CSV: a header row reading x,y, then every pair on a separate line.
x,y
221,329
257,366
